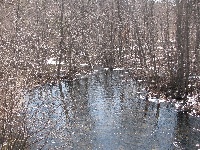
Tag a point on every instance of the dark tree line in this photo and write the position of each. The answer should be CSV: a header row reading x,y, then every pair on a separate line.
x,y
156,40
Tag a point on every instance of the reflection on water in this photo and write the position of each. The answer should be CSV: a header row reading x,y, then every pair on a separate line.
x,y
107,112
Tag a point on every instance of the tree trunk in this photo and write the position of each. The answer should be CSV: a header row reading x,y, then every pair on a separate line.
x,y
61,45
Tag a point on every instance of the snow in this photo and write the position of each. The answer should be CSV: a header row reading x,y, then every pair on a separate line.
x,y
156,100
162,100
178,105
118,69
194,77
83,65
160,47
192,100
78,74
139,68
139,80
53,61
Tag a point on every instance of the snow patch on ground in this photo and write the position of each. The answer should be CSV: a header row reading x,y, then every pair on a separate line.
x,y
194,77
156,100
53,61
191,105
83,65
117,69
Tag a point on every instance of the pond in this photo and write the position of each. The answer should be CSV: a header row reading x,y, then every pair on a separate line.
x,y
106,111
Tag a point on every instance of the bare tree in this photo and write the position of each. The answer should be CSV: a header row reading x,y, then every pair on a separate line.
x,y
61,43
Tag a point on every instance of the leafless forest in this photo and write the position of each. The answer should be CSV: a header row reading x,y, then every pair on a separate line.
x,y
156,41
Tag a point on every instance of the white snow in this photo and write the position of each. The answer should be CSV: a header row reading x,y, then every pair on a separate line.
x,y
83,65
78,74
160,47
139,68
156,100
194,77
139,80
53,61
162,100
118,69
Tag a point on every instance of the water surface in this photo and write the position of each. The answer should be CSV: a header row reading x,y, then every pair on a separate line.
x,y
106,111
